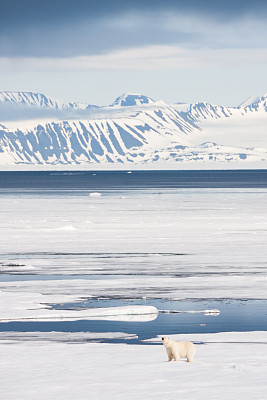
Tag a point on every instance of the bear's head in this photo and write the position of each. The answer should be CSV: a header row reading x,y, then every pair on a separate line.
x,y
165,340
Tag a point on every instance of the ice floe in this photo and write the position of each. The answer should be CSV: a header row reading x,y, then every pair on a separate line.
x,y
16,267
205,312
31,307
66,228
95,194
227,365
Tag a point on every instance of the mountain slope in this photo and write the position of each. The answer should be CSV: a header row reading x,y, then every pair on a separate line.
x,y
134,135
258,103
134,129
131,99
39,100
199,111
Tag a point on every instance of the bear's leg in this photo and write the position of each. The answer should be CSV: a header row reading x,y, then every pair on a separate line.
x,y
176,356
190,357
170,356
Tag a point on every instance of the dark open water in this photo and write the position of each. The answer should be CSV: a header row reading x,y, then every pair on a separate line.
x,y
236,315
95,180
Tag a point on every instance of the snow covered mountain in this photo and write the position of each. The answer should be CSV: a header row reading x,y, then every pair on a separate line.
x,y
27,99
38,100
134,129
122,135
131,99
258,103
199,111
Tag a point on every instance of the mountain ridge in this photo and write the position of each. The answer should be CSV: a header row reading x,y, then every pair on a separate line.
x,y
134,129
127,99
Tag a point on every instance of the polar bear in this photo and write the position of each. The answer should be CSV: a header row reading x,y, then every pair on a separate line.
x,y
177,350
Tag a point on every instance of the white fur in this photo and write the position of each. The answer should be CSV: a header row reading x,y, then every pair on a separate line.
x,y
177,350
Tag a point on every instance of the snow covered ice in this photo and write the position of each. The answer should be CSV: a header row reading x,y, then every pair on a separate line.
x,y
227,365
167,244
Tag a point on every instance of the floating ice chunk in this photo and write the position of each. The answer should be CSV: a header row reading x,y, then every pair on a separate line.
x,y
66,228
125,313
74,337
205,312
118,311
15,267
95,194
212,312
127,317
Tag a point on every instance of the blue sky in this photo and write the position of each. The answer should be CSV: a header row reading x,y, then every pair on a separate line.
x,y
171,50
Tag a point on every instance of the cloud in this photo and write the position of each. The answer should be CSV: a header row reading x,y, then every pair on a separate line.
x,y
17,13
67,28
142,58
22,112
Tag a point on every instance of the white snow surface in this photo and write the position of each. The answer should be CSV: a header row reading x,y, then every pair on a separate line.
x,y
255,102
38,100
209,243
95,194
176,244
227,365
135,131
167,244
131,99
30,307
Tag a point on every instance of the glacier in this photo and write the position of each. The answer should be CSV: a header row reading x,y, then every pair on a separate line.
x,y
133,131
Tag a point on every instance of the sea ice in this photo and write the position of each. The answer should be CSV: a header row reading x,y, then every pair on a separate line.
x,y
66,228
227,365
95,194
179,244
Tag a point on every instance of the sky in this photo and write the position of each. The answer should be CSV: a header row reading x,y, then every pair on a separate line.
x,y
171,50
